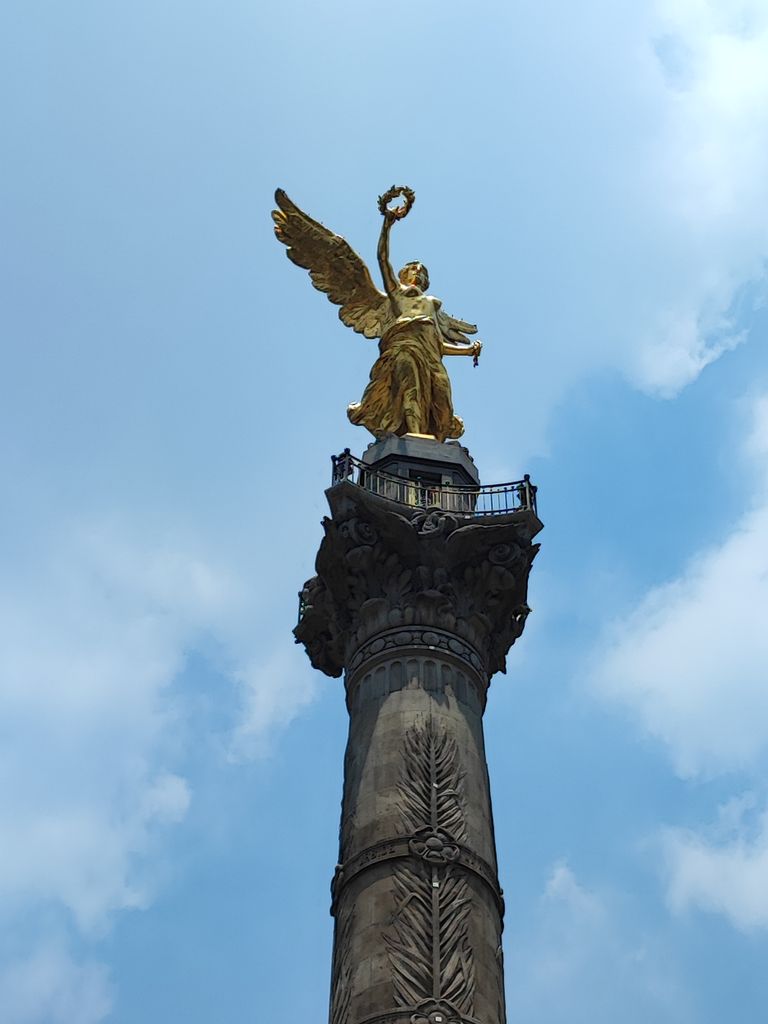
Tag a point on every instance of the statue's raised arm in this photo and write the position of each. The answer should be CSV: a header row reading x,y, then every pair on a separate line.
x,y
390,215
409,391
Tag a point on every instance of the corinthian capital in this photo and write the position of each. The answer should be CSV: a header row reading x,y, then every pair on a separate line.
x,y
382,566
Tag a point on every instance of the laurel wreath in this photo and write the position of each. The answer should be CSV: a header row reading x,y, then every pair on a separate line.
x,y
398,212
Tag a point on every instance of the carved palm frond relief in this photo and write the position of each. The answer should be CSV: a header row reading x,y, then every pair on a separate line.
x,y
431,785
448,781
429,949
410,947
346,833
416,781
457,974
341,973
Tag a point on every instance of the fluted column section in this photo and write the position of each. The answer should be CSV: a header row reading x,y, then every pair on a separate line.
x,y
418,611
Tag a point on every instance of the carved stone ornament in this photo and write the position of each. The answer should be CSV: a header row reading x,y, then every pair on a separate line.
x,y
399,848
429,949
431,794
431,639
434,1012
380,568
435,846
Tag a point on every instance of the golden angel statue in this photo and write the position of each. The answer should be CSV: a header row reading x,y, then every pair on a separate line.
x,y
409,391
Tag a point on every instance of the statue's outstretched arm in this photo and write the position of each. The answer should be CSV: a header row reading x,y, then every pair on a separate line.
x,y
454,337
390,281
472,348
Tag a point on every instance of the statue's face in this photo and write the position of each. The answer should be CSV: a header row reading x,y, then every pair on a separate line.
x,y
415,275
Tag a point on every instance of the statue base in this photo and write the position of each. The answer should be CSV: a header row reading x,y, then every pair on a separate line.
x,y
421,457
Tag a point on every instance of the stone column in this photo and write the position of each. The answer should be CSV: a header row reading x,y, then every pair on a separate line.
x,y
418,610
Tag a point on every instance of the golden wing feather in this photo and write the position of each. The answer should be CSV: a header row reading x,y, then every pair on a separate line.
x,y
454,329
334,268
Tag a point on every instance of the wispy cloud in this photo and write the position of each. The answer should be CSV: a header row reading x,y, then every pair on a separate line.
x,y
724,870
653,236
582,959
708,168
48,986
691,659
272,693
94,627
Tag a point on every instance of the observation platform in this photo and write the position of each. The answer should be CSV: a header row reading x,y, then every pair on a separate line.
x,y
414,539
420,473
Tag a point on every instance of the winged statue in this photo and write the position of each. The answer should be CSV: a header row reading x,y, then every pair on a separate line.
x,y
409,391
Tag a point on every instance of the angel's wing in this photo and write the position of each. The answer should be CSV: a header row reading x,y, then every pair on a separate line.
x,y
334,267
453,329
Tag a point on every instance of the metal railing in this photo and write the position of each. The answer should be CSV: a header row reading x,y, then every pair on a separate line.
x,y
492,500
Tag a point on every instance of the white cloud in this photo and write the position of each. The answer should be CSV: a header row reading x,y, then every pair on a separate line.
x,y
50,988
80,849
643,253
722,873
94,627
708,170
682,344
582,960
272,694
692,662
691,659
91,635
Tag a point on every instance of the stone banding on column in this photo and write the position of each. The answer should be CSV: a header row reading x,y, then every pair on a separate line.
x,y
401,637
419,1015
400,847
396,646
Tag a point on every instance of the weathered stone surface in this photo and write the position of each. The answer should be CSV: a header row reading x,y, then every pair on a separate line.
x,y
418,608
383,567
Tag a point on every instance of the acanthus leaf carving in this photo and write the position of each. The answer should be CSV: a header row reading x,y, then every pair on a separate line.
x,y
435,521
470,576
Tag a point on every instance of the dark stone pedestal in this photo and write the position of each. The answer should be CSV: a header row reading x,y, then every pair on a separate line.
x,y
421,458
418,608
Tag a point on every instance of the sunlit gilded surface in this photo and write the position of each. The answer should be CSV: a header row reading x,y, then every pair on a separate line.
x,y
409,391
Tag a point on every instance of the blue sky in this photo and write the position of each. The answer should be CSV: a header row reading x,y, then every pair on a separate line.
x,y
591,190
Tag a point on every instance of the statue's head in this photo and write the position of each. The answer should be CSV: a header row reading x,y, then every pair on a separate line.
x,y
415,274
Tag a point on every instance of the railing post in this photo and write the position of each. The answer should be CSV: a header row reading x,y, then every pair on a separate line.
x,y
528,496
343,466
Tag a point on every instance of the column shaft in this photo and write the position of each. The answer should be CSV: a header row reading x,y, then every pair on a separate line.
x,y
416,897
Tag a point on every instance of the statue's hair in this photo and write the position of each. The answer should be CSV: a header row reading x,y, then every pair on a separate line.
x,y
415,263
